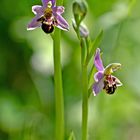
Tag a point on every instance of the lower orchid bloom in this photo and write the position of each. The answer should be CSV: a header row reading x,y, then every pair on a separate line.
x,y
103,78
48,16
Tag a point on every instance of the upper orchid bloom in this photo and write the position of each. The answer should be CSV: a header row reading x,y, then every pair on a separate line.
x,y
103,78
47,16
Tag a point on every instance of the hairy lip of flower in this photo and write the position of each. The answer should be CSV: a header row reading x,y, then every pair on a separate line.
x,y
110,84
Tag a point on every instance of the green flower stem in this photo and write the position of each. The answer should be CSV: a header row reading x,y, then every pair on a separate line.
x,y
59,101
84,91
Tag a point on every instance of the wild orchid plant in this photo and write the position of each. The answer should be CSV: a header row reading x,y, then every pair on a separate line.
x,y
48,16
103,78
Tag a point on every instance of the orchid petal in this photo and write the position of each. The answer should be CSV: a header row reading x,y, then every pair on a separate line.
x,y
83,31
98,76
58,9
61,22
37,9
34,23
97,87
98,61
45,2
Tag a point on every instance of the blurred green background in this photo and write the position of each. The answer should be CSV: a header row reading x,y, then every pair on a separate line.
x,y
27,109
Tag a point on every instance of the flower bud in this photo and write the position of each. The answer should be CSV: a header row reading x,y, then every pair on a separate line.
x,y
79,11
83,31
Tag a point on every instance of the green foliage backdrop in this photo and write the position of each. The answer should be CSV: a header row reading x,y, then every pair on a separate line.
x,y
27,110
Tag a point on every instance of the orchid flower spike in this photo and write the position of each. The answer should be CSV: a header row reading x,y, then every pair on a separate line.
x,y
47,17
104,78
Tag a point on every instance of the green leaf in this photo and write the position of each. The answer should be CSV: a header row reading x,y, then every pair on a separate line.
x,y
72,136
94,45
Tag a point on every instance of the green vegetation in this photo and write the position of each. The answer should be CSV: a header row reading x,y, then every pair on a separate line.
x,y
27,103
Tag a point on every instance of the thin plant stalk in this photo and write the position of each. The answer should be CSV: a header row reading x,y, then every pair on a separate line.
x,y
59,101
84,92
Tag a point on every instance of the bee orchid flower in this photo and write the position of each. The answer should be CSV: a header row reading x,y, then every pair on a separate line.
x,y
48,16
104,78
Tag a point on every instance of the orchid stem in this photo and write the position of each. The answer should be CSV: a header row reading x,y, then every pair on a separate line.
x,y
59,103
84,92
